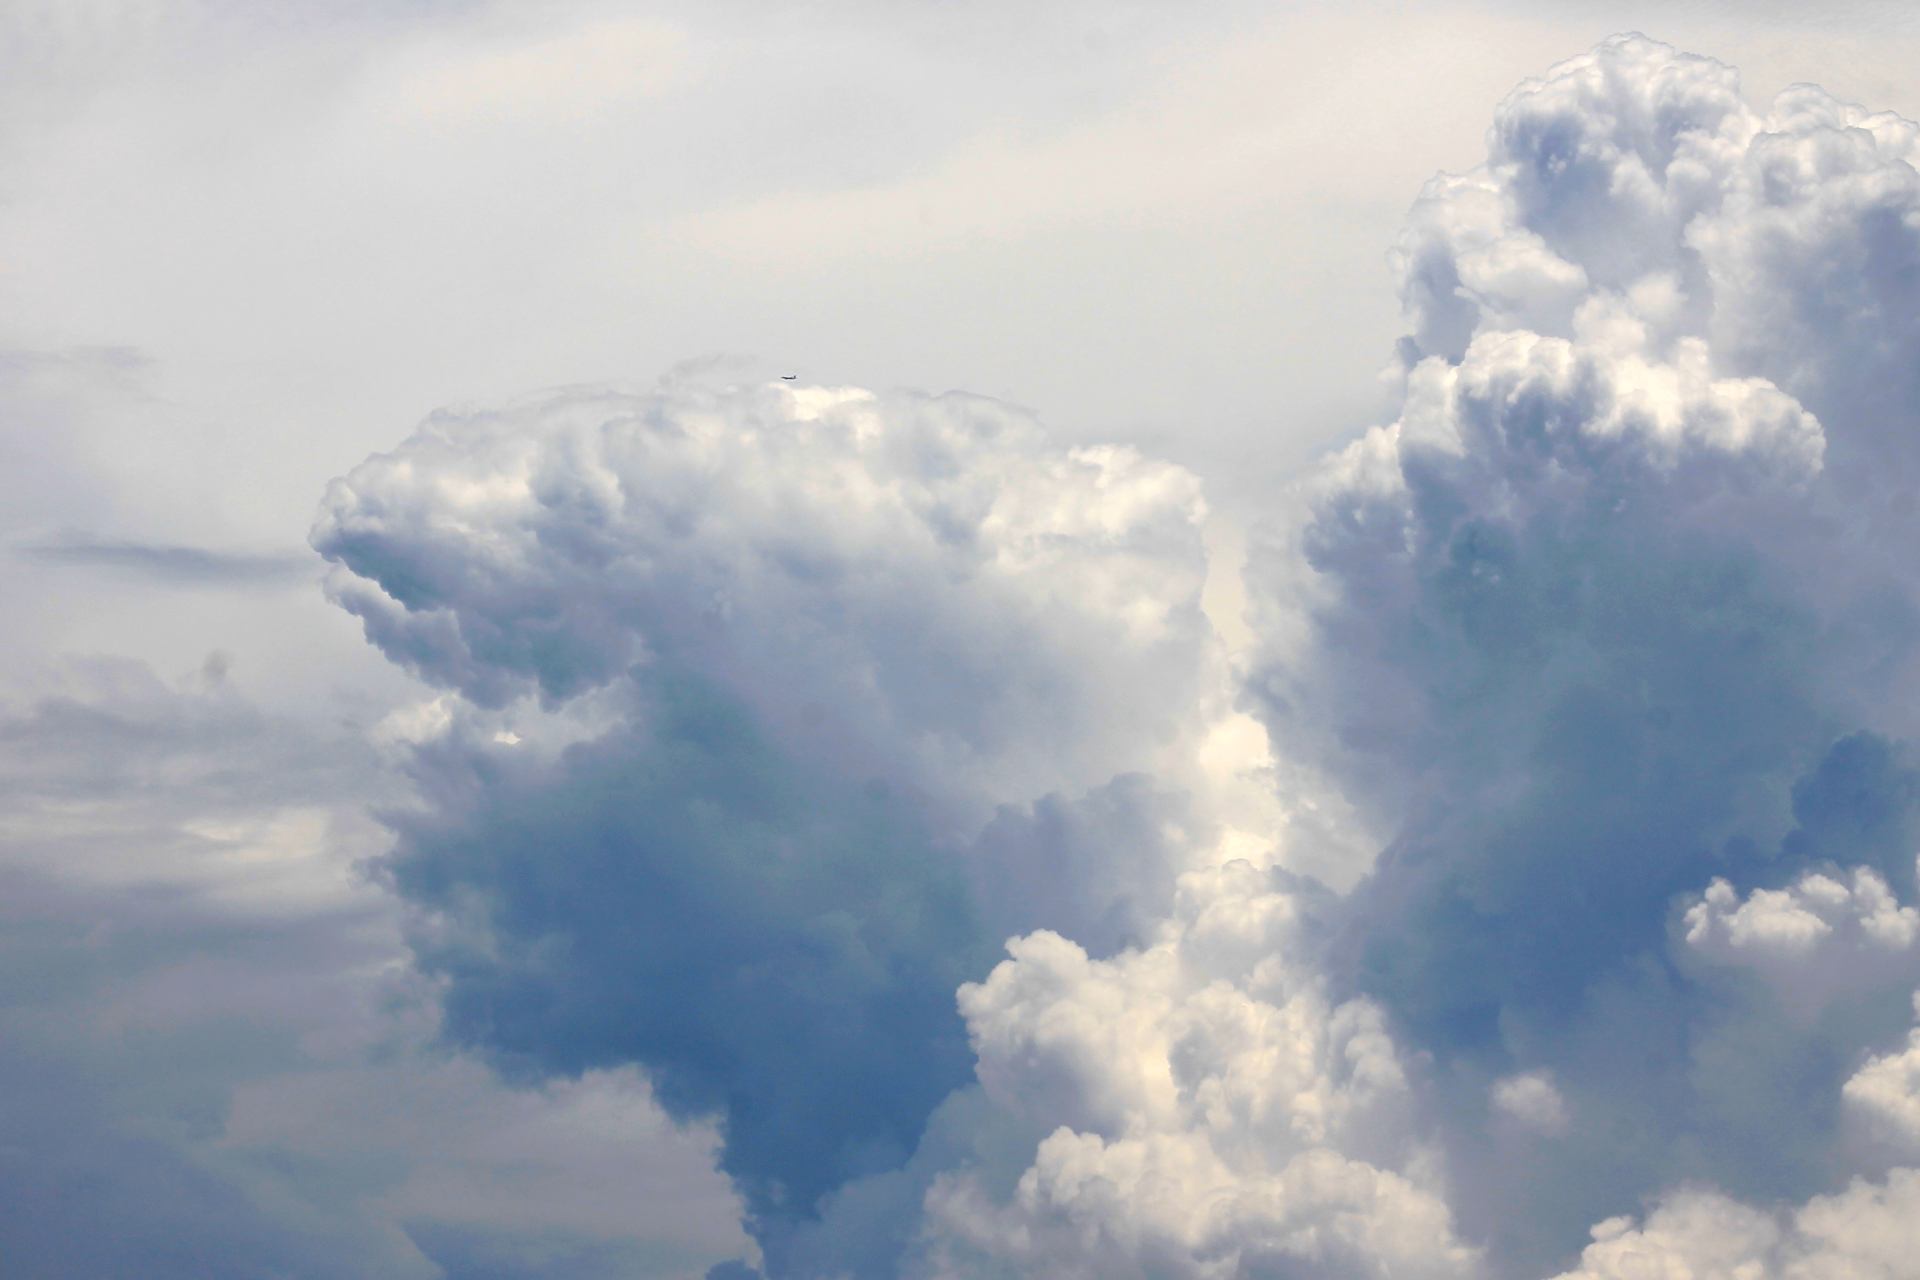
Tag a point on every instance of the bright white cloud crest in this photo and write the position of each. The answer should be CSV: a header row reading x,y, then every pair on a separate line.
x,y
1816,940
923,588
1216,1113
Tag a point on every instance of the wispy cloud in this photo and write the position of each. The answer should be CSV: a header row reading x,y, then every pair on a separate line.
x,y
175,564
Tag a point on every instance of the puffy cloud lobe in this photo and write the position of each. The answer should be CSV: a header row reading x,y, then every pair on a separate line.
x,y
915,588
778,709
1594,174
1867,1232
1213,1113
1532,1100
1820,937
1696,1233
1814,263
1527,502
1499,651
1786,240
1883,1098
1164,1206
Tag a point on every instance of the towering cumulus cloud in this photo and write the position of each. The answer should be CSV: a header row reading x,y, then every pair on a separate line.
x,y
771,714
777,711
1613,627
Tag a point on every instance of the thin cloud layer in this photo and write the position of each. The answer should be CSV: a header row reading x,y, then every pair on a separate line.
x,y
172,563
218,1059
771,713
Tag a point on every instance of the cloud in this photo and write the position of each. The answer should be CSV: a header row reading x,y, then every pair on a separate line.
x,y
768,713
1212,1112
1865,1231
172,563
128,942
227,1059
1532,1100
1883,1097
1820,936
1607,613
857,685
823,554
1606,633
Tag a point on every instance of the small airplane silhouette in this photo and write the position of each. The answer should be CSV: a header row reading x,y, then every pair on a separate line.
x,y
788,377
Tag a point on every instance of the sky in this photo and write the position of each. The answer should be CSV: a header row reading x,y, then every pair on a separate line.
x,y
1310,676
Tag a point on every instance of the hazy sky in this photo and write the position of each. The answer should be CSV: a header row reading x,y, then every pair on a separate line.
x,y
245,1026
245,245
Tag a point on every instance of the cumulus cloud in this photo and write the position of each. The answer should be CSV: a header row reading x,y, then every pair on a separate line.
x,y
856,772
1609,612
1212,1111
1532,1100
769,713
1866,1232
1883,1098
855,686
920,590
1819,937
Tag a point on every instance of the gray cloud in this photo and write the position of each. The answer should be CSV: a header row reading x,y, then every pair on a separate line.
x,y
181,565
205,1003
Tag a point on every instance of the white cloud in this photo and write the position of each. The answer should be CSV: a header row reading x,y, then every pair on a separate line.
x,y
1821,937
875,680
1532,1100
1165,1205
1883,1097
1213,1113
1867,1232
921,589
1690,1233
